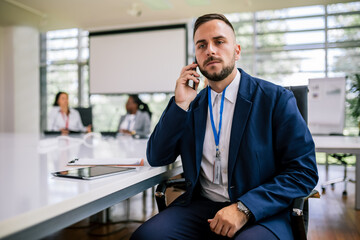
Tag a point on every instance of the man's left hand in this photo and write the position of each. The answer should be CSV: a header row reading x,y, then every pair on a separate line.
x,y
228,221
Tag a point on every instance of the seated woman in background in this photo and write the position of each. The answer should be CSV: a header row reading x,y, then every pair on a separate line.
x,y
65,119
137,119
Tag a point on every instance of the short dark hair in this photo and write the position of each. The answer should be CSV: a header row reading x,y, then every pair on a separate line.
x,y
57,98
211,16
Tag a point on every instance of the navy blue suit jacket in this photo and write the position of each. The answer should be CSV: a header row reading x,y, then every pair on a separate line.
x,y
271,152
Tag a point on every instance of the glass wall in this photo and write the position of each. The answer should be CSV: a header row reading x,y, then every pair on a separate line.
x,y
64,67
285,46
289,46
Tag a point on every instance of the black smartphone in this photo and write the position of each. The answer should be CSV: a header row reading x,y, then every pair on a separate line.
x,y
191,83
89,173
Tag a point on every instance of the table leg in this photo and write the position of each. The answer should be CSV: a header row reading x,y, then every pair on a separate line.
x,y
326,166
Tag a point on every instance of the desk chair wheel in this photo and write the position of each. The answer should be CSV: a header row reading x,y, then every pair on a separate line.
x,y
323,187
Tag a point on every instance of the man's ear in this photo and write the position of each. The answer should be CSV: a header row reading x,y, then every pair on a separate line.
x,y
237,51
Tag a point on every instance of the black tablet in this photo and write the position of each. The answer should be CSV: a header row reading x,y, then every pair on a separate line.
x,y
88,173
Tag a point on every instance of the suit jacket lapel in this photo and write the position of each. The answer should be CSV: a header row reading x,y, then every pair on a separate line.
x,y
200,115
241,115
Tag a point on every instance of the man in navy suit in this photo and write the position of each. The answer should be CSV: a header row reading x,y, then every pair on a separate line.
x,y
245,149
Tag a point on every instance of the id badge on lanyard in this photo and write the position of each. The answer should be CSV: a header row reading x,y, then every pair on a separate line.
x,y
217,162
217,168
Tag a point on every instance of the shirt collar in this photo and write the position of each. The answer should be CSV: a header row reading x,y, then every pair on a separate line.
x,y
231,90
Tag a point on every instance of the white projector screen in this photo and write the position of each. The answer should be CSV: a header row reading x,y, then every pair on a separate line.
x,y
144,60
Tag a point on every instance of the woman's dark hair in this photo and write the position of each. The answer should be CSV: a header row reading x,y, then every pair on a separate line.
x,y
212,16
57,98
141,105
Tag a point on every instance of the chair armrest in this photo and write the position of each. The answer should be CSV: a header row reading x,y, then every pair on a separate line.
x,y
161,189
300,215
298,204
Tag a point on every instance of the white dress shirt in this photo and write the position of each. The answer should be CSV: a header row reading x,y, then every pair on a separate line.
x,y
210,190
129,122
57,120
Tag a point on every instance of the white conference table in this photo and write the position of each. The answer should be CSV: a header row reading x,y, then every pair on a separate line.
x,y
33,203
342,144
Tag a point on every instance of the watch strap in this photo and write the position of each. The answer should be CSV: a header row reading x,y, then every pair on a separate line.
x,y
244,209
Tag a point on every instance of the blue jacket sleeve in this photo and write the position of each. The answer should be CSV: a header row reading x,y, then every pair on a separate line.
x,y
164,143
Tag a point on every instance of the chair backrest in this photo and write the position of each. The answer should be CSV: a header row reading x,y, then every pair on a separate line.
x,y
300,222
86,115
301,96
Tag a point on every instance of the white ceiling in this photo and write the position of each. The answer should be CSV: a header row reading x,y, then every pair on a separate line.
x,y
97,14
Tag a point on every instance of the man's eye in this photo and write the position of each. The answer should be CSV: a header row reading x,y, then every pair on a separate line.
x,y
201,46
220,42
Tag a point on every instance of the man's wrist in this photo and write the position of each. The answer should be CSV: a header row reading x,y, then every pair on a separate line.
x,y
183,106
242,208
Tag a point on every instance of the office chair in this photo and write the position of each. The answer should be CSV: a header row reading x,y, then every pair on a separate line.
x,y
300,209
301,94
340,157
85,115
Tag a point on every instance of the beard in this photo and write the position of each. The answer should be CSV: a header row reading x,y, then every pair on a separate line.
x,y
217,77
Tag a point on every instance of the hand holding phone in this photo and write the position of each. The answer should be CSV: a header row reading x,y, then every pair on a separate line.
x,y
185,94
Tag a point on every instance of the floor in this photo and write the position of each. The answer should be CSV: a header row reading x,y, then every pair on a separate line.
x,y
332,217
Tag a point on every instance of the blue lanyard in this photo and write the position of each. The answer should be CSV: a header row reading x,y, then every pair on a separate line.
x,y
216,134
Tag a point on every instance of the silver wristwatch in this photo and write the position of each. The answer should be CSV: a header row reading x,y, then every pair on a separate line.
x,y
244,209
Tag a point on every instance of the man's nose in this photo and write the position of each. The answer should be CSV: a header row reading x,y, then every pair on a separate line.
x,y
210,49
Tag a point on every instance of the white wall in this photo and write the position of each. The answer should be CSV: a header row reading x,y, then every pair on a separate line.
x,y
19,80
